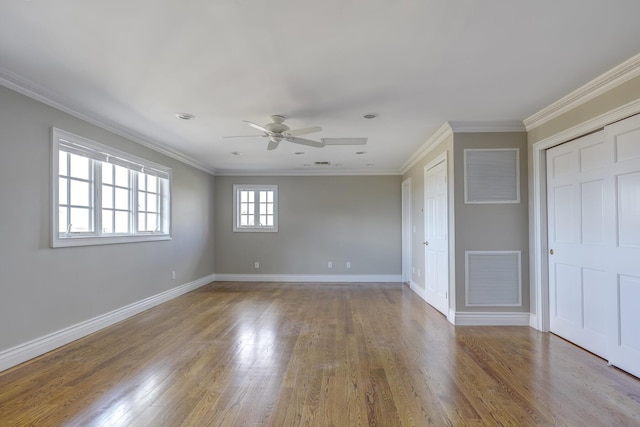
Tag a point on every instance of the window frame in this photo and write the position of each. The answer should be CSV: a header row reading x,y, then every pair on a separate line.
x,y
237,188
98,155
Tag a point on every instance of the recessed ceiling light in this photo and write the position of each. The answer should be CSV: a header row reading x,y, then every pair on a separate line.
x,y
185,116
370,115
360,152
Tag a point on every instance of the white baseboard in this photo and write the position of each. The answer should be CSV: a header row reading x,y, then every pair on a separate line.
x,y
533,321
330,278
451,317
23,352
491,319
421,292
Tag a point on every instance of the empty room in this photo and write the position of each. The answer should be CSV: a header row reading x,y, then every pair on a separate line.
x,y
339,213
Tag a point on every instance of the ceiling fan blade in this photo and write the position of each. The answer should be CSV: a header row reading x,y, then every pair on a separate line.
x,y
242,136
344,141
303,141
255,126
273,145
302,131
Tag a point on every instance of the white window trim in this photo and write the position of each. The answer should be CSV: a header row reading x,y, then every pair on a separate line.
x,y
236,212
96,238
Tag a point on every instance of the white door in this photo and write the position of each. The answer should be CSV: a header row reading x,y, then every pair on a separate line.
x,y
624,136
579,203
406,231
436,239
593,201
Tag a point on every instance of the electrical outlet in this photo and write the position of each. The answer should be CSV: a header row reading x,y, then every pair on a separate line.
x,y
330,264
173,275
348,264
256,264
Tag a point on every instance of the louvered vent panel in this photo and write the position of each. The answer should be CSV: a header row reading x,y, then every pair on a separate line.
x,y
493,278
491,176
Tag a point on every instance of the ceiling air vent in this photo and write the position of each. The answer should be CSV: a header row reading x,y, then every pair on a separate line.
x,y
322,163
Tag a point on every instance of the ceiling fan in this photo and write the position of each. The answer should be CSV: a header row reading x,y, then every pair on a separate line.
x,y
276,131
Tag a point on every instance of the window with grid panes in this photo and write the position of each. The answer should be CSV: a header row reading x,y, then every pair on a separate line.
x,y
255,208
103,195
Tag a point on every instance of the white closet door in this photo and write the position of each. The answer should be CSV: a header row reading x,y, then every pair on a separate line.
x,y
580,211
593,198
624,137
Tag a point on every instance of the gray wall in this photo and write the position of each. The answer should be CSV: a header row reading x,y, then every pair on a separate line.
x,y
322,218
43,290
475,227
490,227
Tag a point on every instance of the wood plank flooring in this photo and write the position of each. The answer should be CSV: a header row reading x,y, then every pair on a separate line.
x,y
274,354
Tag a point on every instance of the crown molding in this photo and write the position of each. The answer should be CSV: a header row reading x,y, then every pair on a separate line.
x,y
615,77
471,127
449,128
303,172
47,97
443,132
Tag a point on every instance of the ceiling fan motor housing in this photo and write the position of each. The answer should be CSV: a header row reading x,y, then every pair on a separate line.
x,y
277,125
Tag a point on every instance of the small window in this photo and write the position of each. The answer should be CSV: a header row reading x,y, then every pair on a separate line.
x,y
255,208
102,195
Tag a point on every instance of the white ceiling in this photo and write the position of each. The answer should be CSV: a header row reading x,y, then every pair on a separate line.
x,y
417,63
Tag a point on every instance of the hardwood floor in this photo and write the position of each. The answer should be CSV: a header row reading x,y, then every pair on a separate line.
x,y
240,354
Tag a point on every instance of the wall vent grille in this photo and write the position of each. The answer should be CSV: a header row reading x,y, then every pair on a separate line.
x,y
491,176
493,278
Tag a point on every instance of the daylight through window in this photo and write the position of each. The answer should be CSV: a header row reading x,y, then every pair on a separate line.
x,y
102,195
256,208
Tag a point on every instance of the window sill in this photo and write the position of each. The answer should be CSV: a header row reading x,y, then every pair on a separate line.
x,y
255,230
93,241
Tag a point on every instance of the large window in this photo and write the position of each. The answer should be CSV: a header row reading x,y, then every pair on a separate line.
x,y
255,208
103,195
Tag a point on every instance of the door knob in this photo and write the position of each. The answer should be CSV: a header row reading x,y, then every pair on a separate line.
x,y
551,251
426,243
